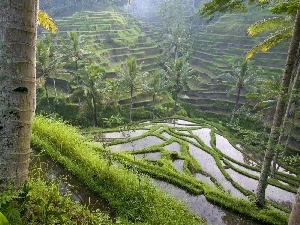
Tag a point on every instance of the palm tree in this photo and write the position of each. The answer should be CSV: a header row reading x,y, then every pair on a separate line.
x,y
131,78
17,88
74,51
289,114
112,93
177,74
175,43
48,63
279,113
156,85
92,83
294,218
283,26
241,77
292,7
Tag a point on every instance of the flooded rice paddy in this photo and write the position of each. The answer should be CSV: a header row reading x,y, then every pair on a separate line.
x,y
68,183
214,215
208,159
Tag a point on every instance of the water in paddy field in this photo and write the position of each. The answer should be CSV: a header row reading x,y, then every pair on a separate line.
x,y
124,134
71,184
211,171
214,215
196,203
137,144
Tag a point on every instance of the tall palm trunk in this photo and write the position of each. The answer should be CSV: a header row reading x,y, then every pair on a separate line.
x,y
55,91
153,105
273,138
236,104
95,110
17,87
176,92
47,93
77,82
295,214
288,115
287,142
176,52
131,95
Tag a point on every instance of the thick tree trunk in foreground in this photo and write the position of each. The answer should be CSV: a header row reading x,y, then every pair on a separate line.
x,y
17,87
277,121
295,214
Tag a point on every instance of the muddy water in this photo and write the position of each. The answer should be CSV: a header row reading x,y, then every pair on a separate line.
x,y
253,172
178,164
208,165
174,146
137,144
69,183
192,139
204,135
149,155
225,147
124,134
273,193
176,125
166,135
214,215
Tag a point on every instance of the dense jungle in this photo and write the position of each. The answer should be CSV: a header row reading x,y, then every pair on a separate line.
x,y
150,112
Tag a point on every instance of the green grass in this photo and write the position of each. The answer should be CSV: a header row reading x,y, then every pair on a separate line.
x,y
40,202
163,169
132,201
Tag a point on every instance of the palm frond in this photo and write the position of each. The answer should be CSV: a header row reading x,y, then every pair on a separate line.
x,y
268,24
289,7
271,41
46,21
268,104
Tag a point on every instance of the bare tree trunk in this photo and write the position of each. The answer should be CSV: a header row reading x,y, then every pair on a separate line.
x,y
17,87
277,121
287,142
95,111
288,115
47,94
77,82
236,104
55,91
153,105
295,214
130,112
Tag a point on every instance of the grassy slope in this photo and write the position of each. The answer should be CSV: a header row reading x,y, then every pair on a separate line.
x,y
133,201
120,186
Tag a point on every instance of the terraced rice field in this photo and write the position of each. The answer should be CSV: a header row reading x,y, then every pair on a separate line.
x,y
202,153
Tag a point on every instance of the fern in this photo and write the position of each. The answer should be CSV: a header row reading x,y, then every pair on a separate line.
x,y
8,195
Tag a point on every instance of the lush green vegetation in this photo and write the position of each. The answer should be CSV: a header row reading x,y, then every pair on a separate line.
x,y
103,175
40,202
132,196
88,95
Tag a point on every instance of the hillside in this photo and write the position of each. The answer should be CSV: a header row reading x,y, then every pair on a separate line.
x,y
114,37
